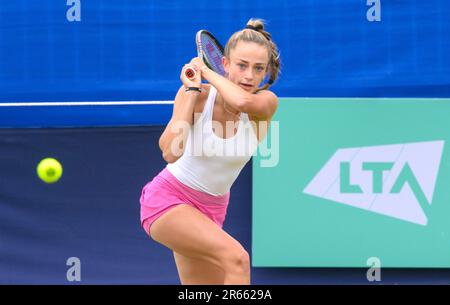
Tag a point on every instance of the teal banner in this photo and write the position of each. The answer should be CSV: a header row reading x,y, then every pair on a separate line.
x,y
353,181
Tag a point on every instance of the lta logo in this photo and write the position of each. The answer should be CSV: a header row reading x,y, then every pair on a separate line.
x,y
393,180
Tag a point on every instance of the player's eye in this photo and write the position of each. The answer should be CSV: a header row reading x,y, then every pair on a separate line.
x,y
242,66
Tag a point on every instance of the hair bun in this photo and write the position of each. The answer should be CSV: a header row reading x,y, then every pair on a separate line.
x,y
251,27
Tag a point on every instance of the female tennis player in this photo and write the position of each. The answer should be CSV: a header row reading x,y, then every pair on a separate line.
x,y
184,206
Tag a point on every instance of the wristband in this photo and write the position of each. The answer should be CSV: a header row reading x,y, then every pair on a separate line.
x,y
193,89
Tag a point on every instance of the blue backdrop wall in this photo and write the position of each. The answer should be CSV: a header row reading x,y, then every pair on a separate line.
x,y
132,50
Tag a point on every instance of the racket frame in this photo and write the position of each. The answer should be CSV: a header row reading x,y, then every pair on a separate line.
x,y
190,72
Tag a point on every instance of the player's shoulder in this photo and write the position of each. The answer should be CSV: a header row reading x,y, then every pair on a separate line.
x,y
270,102
267,93
270,98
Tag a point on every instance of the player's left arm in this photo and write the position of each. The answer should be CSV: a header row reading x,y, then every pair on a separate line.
x,y
261,105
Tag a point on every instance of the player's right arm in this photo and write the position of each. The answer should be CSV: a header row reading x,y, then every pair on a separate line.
x,y
173,139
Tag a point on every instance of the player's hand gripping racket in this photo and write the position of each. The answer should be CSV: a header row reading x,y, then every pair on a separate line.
x,y
210,50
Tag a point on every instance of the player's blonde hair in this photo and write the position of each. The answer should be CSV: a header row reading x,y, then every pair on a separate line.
x,y
254,32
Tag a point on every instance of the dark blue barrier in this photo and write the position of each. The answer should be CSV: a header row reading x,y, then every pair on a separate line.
x,y
92,213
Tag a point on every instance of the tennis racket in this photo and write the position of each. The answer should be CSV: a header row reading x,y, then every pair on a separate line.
x,y
210,50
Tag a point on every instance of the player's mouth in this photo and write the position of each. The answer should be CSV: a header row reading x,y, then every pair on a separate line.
x,y
246,86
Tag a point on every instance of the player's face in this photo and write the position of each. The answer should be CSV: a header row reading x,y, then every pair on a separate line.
x,y
247,65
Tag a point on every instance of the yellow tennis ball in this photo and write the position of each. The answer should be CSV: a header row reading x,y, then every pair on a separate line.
x,y
49,170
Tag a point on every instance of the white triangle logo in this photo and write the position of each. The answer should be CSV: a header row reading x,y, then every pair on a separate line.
x,y
392,180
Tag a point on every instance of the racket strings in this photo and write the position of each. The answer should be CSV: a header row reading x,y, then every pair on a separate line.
x,y
212,55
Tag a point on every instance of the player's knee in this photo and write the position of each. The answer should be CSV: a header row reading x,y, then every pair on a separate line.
x,y
237,261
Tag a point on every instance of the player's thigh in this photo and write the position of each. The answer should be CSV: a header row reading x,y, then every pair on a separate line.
x,y
187,231
194,271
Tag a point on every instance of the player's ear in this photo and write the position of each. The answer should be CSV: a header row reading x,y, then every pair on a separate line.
x,y
226,64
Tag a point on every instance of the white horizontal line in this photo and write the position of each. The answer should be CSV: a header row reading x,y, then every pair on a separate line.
x,y
18,104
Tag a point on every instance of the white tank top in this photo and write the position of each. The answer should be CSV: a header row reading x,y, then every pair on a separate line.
x,y
210,163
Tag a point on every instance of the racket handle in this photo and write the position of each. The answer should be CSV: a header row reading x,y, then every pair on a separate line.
x,y
190,73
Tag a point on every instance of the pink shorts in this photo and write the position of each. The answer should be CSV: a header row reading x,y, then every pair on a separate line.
x,y
165,192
